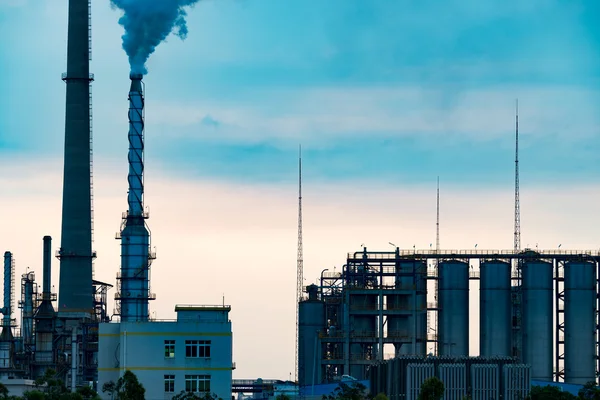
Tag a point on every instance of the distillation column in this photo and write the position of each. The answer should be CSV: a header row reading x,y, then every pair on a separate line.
x,y
75,252
134,278
495,309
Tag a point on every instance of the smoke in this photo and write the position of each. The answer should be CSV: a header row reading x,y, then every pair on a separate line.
x,y
147,23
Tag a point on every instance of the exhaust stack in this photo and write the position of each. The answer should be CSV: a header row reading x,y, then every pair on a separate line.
x,y
133,292
9,277
76,255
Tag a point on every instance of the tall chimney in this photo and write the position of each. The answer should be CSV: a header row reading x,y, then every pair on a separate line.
x,y
76,256
134,286
7,309
47,277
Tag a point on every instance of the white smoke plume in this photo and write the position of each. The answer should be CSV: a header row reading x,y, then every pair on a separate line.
x,y
147,23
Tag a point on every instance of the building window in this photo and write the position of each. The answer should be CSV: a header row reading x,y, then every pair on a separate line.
x,y
197,348
170,383
169,349
197,383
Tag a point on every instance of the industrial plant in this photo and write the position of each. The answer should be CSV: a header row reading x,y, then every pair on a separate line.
x,y
389,318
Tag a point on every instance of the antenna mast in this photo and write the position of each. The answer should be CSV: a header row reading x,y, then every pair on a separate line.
x,y
300,261
437,223
517,202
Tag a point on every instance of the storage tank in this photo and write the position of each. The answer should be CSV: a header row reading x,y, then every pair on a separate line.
x,y
311,321
537,318
580,322
410,275
495,309
453,303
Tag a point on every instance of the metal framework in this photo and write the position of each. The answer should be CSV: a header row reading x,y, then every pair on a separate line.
x,y
373,273
299,261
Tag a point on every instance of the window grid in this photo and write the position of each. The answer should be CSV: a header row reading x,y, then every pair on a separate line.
x,y
169,349
197,348
197,383
169,383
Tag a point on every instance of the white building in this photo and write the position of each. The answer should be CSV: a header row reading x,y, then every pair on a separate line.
x,y
193,353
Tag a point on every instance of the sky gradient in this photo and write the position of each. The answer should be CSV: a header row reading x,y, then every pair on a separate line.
x,y
384,97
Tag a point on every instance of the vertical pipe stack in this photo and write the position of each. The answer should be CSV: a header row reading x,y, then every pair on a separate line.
x,y
6,337
75,287
44,316
134,293
27,284
8,279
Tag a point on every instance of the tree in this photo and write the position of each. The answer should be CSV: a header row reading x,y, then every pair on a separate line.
x,y
380,396
183,395
431,389
129,388
283,396
87,393
3,391
589,391
549,393
109,387
357,391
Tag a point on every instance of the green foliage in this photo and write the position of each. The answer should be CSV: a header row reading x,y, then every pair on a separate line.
x,y
34,395
380,396
431,389
129,388
183,395
356,391
3,391
589,392
549,393
87,393
283,397
109,387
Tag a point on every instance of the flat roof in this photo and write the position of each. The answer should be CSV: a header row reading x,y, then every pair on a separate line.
x,y
192,307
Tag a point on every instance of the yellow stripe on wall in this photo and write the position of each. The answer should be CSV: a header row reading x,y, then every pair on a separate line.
x,y
165,334
166,369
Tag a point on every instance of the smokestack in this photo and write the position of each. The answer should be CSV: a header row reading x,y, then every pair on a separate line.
x,y
8,279
76,256
134,294
47,267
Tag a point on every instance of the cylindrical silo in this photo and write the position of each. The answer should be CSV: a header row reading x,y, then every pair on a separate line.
x,y
537,318
453,304
405,310
311,321
495,309
580,322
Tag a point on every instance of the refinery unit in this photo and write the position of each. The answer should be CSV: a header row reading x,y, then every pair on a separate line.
x,y
63,332
538,307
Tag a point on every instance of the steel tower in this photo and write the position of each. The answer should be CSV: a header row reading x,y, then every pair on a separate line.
x,y
134,294
300,261
517,237
76,255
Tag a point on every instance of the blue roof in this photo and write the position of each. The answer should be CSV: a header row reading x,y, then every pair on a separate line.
x,y
565,387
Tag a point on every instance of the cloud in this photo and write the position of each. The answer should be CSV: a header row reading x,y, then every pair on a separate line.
x,y
214,238
333,114
13,3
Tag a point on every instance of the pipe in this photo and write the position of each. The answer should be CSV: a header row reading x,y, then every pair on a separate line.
x,y
8,268
47,266
135,197
73,360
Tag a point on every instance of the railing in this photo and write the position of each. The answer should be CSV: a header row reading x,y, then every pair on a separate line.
x,y
443,253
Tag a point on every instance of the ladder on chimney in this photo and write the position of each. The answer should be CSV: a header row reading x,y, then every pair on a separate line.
x,y
91,78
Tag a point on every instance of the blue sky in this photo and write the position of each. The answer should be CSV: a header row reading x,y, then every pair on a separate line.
x,y
398,92
383,95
